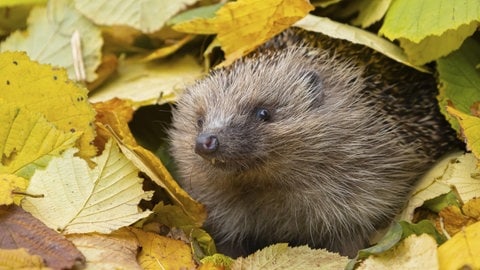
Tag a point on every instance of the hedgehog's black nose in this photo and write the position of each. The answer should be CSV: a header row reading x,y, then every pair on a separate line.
x,y
206,144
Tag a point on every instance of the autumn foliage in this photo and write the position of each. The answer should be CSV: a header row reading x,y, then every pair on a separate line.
x,y
82,186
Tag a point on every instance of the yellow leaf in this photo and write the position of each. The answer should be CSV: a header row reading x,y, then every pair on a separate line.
x,y
430,29
149,82
9,184
369,11
21,2
355,35
472,208
216,262
145,160
145,15
243,25
461,251
42,89
429,186
29,141
470,128
173,216
160,252
50,39
168,50
415,252
20,259
78,199
117,250
463,174
281,256
453,220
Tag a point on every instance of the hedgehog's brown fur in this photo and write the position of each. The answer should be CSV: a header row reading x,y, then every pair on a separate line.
x,y
348,132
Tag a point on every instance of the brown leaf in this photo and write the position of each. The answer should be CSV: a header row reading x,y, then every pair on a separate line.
x,y
117,250
104,71
21,230
454,220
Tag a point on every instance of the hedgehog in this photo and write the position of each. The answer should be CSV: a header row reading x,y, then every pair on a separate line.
x,y
309,140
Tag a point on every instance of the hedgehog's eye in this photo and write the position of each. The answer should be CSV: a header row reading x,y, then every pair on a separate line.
x,y
262,114
199,122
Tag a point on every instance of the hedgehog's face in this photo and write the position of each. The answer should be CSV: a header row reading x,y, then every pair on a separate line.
x,y
252,116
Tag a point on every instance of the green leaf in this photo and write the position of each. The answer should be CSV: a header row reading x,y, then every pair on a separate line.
x,y
459,80
414,252
442,201
424,226
429,186
355,35
390,239
369,12
430,29
218,260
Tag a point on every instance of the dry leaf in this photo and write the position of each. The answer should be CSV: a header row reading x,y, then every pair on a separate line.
x,y
117,250
472,208
107,67
48,39
175,218
453,220
355,35
44,90
281,256
470,130
160,252
243,25
149,82
20,259
415,252
146,161
463,174
145,15
461,252
9,184
429,186
21,230
78,199
168,50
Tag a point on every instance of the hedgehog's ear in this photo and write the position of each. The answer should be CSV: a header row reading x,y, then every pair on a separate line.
x,y
315,86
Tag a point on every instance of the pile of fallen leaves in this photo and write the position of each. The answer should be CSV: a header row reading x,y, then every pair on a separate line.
x,y
83,174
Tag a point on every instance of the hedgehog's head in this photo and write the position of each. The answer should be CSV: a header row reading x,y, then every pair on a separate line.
x,y
263,112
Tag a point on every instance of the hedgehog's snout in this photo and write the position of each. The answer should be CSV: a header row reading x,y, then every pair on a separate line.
x,y
206,145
